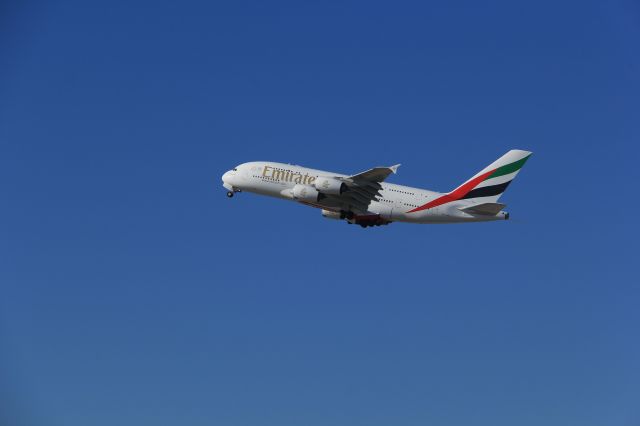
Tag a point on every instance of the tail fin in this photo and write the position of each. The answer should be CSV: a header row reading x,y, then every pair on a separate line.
x,y
492,181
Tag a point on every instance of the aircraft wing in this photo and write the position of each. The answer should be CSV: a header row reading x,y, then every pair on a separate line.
x,y
365,187
377,174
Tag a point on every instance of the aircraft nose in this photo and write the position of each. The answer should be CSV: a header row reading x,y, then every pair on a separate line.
x,y
227,180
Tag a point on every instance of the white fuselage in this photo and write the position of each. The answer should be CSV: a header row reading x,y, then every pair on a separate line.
x,y
394,203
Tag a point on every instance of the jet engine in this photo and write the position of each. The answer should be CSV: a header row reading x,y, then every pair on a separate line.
x,y
332,215
306,193
330,186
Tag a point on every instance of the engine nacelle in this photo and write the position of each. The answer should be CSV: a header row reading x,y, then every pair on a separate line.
x,y
330,186
332,215
306,193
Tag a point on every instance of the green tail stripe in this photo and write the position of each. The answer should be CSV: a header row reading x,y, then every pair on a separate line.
x,y
509,168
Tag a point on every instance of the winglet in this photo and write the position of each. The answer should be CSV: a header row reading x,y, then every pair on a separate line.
x,y
394,169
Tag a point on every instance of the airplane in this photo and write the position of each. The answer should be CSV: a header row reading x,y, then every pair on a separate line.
x,y
367,200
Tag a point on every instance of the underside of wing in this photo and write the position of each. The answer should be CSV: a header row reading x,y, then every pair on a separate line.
x,y
364,187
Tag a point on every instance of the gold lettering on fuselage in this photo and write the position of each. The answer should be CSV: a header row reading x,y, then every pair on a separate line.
x,y
278,174
286,175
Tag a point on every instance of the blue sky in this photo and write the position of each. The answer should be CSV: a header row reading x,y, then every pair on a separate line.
x,y
135,292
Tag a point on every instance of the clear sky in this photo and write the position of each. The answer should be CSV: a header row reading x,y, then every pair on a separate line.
x,y
133,292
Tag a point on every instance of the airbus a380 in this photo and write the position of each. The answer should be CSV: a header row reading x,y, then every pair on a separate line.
x,y
367,200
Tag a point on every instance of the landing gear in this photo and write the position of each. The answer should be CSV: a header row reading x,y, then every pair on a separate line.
x,y
346,215
371,224
365,221
230,194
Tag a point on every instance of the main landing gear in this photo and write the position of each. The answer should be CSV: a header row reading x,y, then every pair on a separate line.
x,y
363,221
347,215
364,225
230,194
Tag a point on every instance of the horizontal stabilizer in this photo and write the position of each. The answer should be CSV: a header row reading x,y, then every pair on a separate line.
x,y
485,209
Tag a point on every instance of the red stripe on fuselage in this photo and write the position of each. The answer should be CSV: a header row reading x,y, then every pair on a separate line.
x,y
454,195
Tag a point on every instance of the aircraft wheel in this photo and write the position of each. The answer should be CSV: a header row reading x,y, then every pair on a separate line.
x,y
230,194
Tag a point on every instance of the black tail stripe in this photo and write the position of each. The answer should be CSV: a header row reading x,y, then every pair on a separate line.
x,y
487,191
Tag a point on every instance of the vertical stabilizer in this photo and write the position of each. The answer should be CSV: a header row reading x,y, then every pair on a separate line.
x,y
493,180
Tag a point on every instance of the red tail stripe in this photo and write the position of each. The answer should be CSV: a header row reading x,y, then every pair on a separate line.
x,y
456,194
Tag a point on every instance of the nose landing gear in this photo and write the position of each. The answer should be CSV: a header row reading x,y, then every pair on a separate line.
x,y
231,192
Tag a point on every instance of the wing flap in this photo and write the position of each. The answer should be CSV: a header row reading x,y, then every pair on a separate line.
x,y
360,197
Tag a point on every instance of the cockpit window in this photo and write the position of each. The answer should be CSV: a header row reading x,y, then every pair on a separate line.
x,y
235,170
